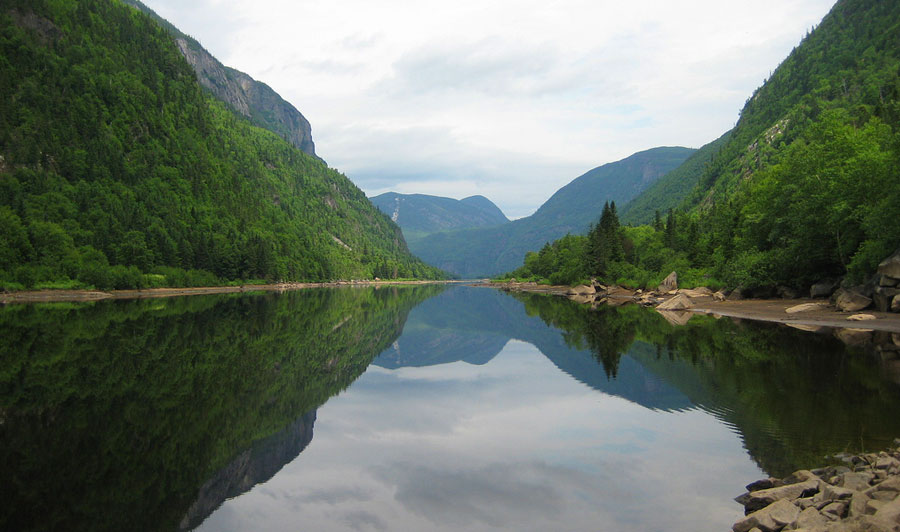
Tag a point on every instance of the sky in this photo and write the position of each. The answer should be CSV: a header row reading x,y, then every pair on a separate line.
x,y
508,99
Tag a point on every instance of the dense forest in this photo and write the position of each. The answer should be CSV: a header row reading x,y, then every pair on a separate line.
x,y
805,187
118,170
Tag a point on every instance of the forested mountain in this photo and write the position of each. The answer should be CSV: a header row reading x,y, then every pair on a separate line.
x,y
670,191
419,215
118,170
251,98
489,251
805,187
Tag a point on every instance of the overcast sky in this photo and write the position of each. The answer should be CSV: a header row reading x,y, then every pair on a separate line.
x,y
508,99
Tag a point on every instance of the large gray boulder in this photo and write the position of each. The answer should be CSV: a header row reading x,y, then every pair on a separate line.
x,y
891,266
669,283
851,300
772,518
883,296
823,288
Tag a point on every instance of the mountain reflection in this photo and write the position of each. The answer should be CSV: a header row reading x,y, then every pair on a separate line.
x,y
793,396
114,414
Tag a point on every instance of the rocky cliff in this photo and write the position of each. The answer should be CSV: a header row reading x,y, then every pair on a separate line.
x,y
252,99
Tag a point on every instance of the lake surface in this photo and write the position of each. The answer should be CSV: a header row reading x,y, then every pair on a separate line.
x,y
414,408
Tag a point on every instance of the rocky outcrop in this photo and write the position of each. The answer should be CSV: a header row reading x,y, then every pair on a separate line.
x,y
253,99
890,267
863,495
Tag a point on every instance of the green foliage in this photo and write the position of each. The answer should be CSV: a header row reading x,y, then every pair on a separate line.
x,y
115,161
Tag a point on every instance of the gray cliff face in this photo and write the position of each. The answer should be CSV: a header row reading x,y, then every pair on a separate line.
x,y
251,98
253,466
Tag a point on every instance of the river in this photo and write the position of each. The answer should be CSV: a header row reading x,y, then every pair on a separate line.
x,y
413,408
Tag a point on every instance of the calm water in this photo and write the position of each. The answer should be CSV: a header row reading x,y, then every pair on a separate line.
x,y
412,408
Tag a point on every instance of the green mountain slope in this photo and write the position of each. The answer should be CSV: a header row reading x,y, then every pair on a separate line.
x,y
419,215
670,191
253,99
115,162
804,188
490,251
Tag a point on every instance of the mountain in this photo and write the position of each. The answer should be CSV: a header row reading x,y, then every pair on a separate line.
x,y
804,188
254,100
490,251
669,191
117,169
419,215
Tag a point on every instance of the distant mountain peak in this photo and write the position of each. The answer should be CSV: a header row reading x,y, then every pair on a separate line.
x,y
419,215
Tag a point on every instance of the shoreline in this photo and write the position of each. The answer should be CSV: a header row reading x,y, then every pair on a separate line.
x,y
57,296
769,310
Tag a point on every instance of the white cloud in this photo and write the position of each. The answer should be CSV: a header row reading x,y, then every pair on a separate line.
x,y
505,98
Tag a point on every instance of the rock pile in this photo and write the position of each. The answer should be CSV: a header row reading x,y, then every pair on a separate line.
x,y
859,496
882,291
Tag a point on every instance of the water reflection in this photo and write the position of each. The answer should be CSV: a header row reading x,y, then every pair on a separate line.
x,y
490,411
113,414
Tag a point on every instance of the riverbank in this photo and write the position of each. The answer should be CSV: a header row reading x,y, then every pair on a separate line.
x,y
816,315
54,296
860,494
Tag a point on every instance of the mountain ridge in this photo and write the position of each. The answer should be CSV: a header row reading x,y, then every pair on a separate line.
x,y
572,209
420,215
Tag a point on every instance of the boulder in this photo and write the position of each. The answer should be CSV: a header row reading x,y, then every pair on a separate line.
x,y
851,300
884,280
883,296
823,288
772,518
891,266
890,512
810,518
669,283
696,292
857,481
737,294
895,304
861,317
764,484
805,307
679,302
857,504
786,292
719,296
763,498
580,298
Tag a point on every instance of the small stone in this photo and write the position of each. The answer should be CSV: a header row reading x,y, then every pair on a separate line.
x,y
889,484
873,505
801,475
805,502
861,317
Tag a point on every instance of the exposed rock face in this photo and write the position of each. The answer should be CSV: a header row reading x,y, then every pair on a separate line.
x,y
251,98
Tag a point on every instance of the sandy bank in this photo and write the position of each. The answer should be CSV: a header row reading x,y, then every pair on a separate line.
x,y
49,296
